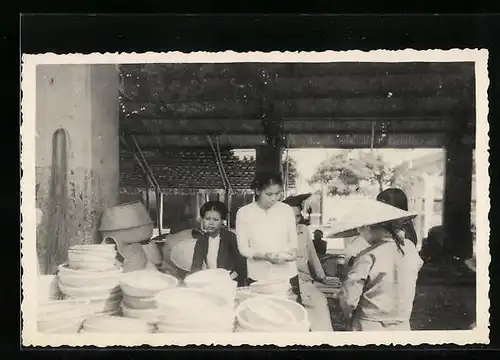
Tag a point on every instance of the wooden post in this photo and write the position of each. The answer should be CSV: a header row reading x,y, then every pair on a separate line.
x,y
321,204
199,204
146,190
227,202
457,191
429,185
419,205
268,158
160,220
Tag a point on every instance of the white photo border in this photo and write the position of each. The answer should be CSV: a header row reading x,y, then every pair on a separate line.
x,y
30,336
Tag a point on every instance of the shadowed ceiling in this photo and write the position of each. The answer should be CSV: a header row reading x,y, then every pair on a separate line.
x,y
171,108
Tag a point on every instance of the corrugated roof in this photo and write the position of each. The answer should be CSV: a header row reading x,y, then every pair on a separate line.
x,y
186,171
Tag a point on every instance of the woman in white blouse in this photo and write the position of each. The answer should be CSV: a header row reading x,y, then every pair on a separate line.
x,y
266,234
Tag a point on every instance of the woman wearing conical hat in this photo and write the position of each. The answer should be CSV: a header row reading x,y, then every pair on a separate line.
x,y
394,197
310,269
379,290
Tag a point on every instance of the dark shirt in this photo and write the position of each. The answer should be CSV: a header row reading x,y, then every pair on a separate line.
x,y
228,256
320,246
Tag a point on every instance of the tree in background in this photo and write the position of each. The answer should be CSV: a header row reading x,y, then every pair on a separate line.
x,y
353,172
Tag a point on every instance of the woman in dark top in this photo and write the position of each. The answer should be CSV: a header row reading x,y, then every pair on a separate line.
x,y
397,198
217,246
319,244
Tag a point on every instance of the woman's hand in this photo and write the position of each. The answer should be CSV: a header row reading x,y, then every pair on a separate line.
x,y
281,257
320,279
290,256
275,258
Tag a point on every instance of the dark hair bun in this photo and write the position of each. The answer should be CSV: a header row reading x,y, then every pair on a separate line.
x,y
264,179
218,206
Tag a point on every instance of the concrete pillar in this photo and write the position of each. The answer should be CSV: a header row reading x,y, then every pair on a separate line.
x,y
82,100
457,191
268,158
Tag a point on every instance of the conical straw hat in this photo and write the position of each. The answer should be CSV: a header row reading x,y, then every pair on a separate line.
x,y
297,200
182,254
369,212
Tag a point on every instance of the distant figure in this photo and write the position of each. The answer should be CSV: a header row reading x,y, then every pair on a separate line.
x,y
306,221
433,250
397,198
319,244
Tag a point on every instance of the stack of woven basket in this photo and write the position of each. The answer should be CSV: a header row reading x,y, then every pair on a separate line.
x,y
92,274
139,291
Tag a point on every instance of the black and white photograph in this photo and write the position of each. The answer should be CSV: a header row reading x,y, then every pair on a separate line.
x,y
255,198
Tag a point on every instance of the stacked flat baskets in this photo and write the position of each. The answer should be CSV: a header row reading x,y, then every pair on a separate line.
x,y
280,288
271,314
116,325
92,274
189,310
48,288
62,316
94,257
218,281
139,291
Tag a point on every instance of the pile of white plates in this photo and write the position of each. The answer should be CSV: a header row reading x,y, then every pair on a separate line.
x,y
271,314
243,293
62,316
280,288
92,274
188,310
116,325
139,291
48,288
218,281
94,257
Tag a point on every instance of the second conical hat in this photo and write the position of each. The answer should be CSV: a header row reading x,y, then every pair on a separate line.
x,y
368,212
297,200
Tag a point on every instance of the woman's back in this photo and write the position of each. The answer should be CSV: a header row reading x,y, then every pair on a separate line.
x,y
390,283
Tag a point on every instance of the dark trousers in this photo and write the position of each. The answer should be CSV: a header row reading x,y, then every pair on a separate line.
x,y
294,282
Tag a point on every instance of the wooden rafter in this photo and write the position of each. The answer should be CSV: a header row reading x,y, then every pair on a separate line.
x,y
290,126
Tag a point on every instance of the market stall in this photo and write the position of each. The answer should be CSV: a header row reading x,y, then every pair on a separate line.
x,y
145,111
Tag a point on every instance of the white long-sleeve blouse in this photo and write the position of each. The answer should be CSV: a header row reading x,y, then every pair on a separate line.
x,y
262,231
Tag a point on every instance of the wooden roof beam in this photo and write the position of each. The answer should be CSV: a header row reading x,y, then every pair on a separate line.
x,y
215,89
218,70
393,140
304,107
291,126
